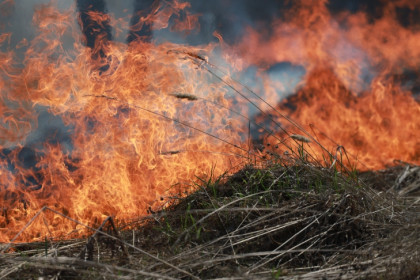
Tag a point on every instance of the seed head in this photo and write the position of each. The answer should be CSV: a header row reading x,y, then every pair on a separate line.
x,y
300,138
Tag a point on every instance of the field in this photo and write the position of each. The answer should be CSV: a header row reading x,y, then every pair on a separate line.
x,y
297,221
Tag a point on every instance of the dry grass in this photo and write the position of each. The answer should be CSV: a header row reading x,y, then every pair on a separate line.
x,y
276,222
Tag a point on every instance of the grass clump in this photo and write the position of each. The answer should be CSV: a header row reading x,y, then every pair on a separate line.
x,y
275,222
279,221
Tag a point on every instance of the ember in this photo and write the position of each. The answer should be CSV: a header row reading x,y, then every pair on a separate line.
x,y
98,127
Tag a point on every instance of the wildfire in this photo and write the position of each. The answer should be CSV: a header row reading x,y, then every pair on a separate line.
x,y
352,94
142,120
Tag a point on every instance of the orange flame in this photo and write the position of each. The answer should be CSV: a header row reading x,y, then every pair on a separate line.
x,y
134,141
158,115
376,122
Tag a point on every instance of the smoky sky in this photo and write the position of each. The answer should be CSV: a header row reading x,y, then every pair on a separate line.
x,y
228,17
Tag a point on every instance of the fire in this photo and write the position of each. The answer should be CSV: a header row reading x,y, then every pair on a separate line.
x,y
351,94
133,140
375,128
141,121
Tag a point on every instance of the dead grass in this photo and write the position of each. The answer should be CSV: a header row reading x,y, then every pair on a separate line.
x,y
278,222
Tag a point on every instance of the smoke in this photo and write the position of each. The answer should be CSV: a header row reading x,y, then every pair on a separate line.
x,y
229,18
18,15
16,20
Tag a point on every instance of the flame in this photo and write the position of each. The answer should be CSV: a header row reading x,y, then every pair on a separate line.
x,y
134,141
375,119
144,119
374,128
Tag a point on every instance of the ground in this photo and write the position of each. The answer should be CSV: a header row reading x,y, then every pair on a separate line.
x,y
276,221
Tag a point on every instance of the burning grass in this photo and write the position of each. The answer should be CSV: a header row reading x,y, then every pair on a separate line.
x,y
271,222
154,114
92,127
